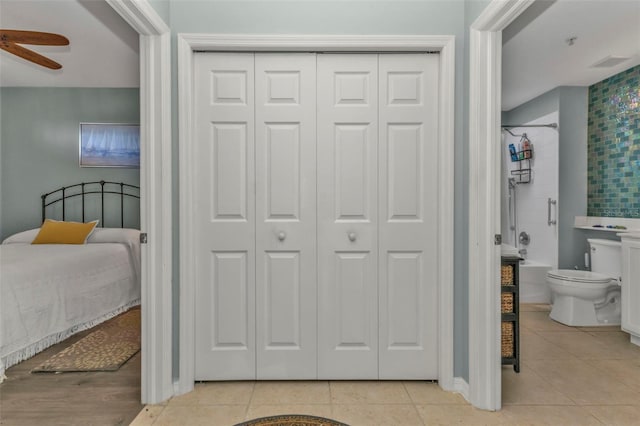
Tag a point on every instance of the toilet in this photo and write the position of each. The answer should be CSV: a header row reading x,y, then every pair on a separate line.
x,y
589,298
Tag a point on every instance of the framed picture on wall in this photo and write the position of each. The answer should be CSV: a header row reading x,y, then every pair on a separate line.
x,y
109,145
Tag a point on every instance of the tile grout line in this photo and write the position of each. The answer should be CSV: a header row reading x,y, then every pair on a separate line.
x,y
553,387
155,419
413,403
594,416
246,409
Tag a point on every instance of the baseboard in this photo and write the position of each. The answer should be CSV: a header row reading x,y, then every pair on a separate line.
x,y
178,389
461,386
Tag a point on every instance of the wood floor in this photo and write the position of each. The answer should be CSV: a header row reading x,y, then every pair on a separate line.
x,y
85,398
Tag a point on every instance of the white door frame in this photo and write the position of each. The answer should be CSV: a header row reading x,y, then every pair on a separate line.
x,y
485,87
155,191
189,43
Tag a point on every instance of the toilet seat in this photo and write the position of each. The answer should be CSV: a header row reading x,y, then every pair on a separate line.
x,y
582,277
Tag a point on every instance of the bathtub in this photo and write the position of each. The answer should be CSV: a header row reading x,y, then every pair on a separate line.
x,y
533,282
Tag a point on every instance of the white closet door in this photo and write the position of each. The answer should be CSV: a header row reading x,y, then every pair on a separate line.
x,y
224,194
408,234
286,216
347,216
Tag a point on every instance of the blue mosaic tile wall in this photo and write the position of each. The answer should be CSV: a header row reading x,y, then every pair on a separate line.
x,y
614,146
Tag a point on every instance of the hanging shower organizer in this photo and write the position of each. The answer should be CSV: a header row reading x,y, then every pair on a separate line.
x,y
523,172
524,156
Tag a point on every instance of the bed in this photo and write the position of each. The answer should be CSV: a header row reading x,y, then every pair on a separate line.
x,y
49,292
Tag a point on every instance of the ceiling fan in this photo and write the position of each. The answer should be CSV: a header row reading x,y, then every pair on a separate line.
x,y
10,40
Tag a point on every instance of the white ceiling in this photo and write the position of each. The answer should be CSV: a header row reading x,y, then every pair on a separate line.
x,y
103,49
537,59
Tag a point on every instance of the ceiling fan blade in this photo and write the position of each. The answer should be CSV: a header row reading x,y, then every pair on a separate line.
x,y
33,37
30,55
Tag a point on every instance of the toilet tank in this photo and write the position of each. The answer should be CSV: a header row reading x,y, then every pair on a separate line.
x,y
606,257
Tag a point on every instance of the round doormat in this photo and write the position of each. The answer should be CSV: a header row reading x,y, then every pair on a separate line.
x,y
291,420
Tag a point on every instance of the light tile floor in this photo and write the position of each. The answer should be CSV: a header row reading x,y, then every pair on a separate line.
x,y
569,376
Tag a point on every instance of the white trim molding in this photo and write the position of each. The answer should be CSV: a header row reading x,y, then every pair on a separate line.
x,y
155,190
186,376
189,43
484,200
445,213
314,43
461,386
499,14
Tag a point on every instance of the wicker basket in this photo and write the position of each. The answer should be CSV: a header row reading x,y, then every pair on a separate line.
x,y
507,275
507,339
507,303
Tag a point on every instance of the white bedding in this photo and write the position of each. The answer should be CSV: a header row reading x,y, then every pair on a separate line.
x,y
51,291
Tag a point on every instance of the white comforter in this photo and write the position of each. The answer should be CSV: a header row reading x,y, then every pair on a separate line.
x,y
51,291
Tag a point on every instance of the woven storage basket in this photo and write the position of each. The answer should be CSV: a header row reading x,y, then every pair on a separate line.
x,y
507,303
507,275
507,339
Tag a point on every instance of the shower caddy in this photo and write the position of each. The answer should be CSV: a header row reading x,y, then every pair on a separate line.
x,y
523,157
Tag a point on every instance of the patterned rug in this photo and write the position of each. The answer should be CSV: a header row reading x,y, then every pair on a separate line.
x,y
105,349
291,420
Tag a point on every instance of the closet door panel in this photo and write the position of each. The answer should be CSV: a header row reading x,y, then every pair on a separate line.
x,y
225,254
408,236
347,216
282,327
286,216
317,176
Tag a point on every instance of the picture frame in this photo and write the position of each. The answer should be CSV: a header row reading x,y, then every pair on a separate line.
x,y
109,145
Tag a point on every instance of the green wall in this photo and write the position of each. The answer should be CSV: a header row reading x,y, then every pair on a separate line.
x,y
39,145
614,146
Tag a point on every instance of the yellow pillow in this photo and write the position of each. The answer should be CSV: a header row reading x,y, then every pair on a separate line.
x,y
57,232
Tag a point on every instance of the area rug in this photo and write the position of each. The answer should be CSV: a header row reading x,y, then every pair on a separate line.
x,y
105,349
291,420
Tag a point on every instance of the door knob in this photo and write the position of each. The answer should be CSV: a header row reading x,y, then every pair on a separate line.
x,y
282,235
352,236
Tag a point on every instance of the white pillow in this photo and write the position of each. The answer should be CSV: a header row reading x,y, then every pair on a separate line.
x,y
24,237
99,235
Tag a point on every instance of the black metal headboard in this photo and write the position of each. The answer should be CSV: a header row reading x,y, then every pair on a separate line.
x,y
84,189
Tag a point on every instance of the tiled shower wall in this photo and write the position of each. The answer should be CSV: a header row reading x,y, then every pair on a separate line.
x,y
614,146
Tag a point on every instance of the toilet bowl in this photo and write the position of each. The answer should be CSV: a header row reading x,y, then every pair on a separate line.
x,y
589,298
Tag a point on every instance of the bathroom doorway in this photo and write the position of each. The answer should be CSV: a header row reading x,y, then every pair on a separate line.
x,y
570,368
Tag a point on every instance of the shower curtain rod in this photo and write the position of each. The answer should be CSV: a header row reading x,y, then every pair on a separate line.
x,y
510,126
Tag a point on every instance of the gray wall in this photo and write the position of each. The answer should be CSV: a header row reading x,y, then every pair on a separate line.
x,y
162,8
572,188
571,104
344,17
39,145
473,8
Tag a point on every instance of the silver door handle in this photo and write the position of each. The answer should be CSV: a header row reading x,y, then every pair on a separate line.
x,y
282,235
352,236
549,203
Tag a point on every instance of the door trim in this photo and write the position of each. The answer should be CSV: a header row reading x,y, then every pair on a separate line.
x,y
485,87
188,44
155,201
